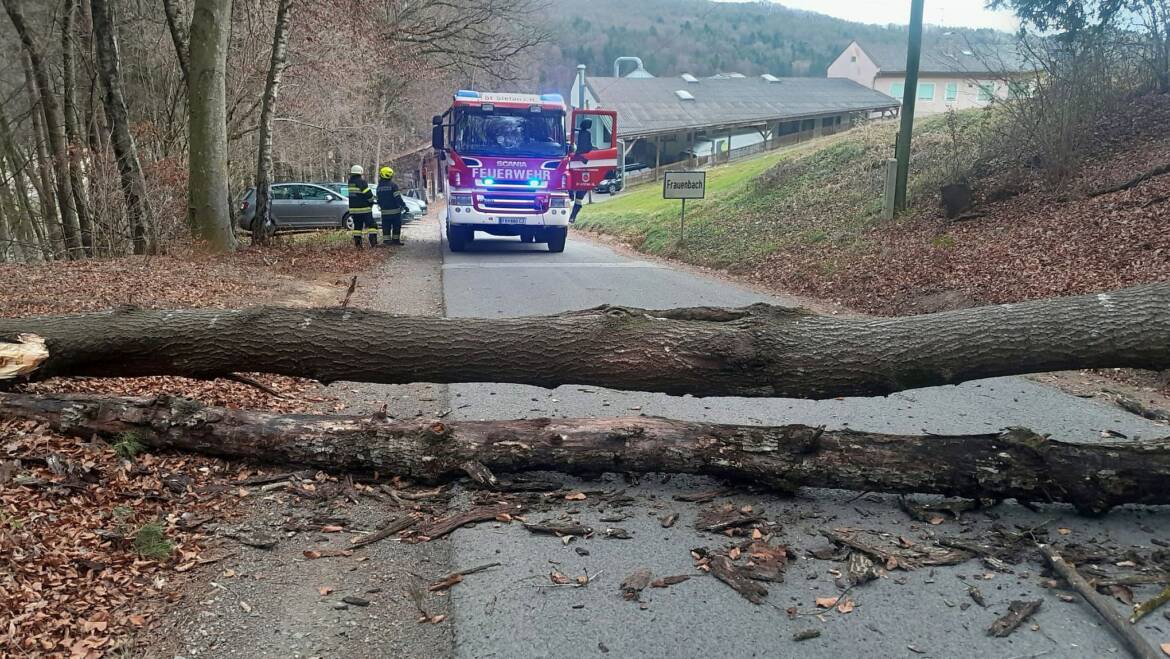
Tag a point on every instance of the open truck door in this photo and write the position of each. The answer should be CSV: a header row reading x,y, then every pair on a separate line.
x,y
588,168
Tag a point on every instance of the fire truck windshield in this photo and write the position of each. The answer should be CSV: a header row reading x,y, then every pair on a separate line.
x,y
506,131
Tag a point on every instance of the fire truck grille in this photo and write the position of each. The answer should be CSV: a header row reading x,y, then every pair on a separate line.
x,y
508,203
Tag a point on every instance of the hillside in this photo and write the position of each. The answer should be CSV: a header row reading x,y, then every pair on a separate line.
x,y
809,223
700,37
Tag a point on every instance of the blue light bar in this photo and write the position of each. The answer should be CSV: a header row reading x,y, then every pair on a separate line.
x,y
466,93
552,98
489,181
534,183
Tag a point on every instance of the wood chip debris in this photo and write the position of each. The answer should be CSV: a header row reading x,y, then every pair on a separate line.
x,y
726,518
1018,612
732,575
633,585
669,581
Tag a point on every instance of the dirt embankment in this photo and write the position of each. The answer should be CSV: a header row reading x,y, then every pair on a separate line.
x,y
1027,238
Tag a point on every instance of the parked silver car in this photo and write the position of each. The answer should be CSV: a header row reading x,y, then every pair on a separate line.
x,y
301,206
415,208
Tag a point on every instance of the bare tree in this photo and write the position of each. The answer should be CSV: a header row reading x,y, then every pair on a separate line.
x,y
125,150
72,138
208,206
52,115
262,223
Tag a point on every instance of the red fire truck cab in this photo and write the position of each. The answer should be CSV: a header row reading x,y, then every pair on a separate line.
x,y
509,164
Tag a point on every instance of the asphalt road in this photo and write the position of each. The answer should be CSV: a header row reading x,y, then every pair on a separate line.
x,y
513,611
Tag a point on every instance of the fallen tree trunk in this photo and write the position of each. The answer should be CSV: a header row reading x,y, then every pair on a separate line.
x,y
1013,464
755,351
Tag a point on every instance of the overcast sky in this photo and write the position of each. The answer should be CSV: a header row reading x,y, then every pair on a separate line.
x,y
954,13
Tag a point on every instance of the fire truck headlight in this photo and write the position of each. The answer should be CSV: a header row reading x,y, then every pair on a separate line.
x,y
460,199
558,202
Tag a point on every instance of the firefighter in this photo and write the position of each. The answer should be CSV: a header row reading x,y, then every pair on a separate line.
x,y
390,199
583,144
361,208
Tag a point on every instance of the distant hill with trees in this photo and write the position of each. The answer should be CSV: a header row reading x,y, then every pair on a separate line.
x,y
699,37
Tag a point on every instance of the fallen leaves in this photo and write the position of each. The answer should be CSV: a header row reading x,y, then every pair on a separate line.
x,y
67,546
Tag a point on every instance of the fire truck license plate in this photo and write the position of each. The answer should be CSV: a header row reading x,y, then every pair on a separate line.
x,y
512,220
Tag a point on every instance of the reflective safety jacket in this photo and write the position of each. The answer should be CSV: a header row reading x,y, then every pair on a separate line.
x,y
361,198
390,198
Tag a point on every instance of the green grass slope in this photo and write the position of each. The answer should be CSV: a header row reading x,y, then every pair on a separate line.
x,y
823,191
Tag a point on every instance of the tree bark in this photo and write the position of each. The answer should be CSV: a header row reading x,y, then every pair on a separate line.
x,y
132,181
178,38
262,224
73,141
1012,464
754,351
52,114
208,207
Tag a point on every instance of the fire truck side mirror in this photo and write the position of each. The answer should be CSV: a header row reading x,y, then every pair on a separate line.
x,y
437,133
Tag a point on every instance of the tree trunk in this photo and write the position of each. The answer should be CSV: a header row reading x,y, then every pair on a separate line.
x,y
73,140
52,114
754,351
42,182
125,150
178,38
262,224
1012,464
208,207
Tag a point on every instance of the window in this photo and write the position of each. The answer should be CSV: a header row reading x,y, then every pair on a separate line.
x,y
952,91
312,193
986,91
1018,88
281,192
926,91
853,58
897,89
509,132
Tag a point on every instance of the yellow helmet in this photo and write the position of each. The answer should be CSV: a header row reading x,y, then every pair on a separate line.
x,y
386,172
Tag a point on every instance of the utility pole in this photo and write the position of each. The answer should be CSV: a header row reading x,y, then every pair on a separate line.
x,y
909,94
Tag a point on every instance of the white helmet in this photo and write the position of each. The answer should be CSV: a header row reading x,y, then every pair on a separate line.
x,y
357,169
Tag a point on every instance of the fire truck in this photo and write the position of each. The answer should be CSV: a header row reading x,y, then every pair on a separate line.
x,y
510,164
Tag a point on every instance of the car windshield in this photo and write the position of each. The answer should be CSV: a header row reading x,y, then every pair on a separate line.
x,y
511,132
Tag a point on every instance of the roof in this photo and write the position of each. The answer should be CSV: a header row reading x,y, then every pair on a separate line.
x,y
648,106
955,54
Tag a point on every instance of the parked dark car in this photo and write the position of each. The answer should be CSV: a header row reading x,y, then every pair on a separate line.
x,y
298,206
612,183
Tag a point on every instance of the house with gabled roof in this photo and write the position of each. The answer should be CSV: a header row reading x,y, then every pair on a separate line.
x,y
954,72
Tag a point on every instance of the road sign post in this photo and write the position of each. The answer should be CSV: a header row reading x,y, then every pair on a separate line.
x,y
684,185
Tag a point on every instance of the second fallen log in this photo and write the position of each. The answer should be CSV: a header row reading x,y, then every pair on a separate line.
x,y
1013,464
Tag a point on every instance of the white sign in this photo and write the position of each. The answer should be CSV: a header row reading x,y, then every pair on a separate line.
x,y
684,185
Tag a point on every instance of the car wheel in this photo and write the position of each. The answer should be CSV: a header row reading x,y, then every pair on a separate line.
x,y
556,240
347,222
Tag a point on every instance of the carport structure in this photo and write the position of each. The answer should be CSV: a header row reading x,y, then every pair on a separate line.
x,y
684,121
